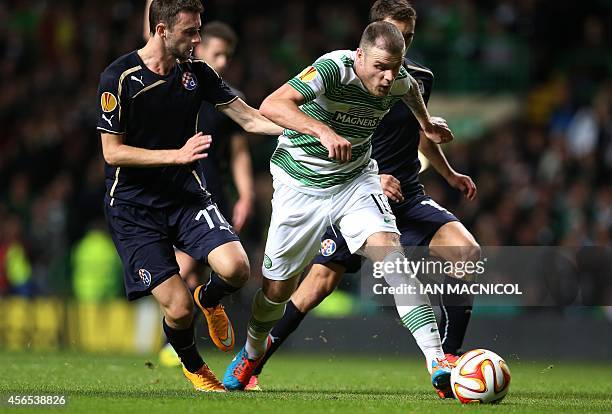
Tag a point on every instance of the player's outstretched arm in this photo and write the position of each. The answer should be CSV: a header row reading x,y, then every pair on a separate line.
x,y
282,107
249,118
118,154
437,132
435,155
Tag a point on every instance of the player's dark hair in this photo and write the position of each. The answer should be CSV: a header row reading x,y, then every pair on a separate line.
x,y
400,10
383,35
166,11
220,30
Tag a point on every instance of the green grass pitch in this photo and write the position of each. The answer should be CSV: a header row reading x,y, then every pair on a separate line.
x,y
293,384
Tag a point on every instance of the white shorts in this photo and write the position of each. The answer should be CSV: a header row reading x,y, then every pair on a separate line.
x,y
299,220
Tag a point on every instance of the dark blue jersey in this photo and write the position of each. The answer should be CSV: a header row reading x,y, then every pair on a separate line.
x,y
395,142
156,112
217,164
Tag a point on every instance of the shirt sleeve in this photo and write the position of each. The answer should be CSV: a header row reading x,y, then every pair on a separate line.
x,y
215,90
112,107
323,75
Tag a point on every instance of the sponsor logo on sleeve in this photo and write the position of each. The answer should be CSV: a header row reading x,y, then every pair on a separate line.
x,y
108,102
109,120
308,74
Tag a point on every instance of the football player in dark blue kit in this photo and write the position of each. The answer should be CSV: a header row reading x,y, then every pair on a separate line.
x,y
229,156
421,221
156,193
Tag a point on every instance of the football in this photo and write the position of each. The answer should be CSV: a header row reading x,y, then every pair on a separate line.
x,y
480,376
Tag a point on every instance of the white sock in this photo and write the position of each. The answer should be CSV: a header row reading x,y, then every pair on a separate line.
x,y
265,314
421,322
254,348
415,311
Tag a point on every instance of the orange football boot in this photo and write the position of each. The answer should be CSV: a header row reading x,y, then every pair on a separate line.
x,y
204,380
220,327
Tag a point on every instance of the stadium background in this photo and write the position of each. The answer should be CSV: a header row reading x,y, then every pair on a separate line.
x,y
526,85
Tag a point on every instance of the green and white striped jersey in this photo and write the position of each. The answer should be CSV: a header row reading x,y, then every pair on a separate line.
x,y
334,95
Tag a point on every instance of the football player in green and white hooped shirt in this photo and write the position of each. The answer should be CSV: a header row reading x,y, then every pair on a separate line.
x,y
323,175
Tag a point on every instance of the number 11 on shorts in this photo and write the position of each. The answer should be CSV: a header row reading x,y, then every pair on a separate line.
x,y
224,225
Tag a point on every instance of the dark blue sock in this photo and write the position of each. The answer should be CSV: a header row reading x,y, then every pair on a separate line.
x,y
215,290
456,313
281,331
183,342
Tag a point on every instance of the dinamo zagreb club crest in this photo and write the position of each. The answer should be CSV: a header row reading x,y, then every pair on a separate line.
x,y
189,81
328,247
145,276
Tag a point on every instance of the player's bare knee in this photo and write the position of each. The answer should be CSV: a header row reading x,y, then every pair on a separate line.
x,y
280,291
237,272
468,251
179,313
231,263
472,252
383,239
380,245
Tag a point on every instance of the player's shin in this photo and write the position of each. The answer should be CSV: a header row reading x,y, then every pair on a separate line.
x,y
455,317
265,314
414,310
281,331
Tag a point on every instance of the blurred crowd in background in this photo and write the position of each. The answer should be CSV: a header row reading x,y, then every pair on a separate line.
x,y
544,176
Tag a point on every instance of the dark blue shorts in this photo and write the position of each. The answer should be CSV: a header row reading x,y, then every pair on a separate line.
x,y
417,223
145,238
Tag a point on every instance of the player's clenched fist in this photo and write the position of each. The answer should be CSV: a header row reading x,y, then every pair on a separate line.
x,y
338,148
438,131
194,148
